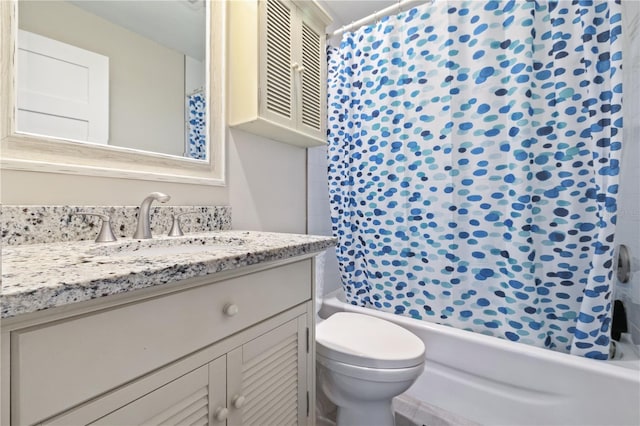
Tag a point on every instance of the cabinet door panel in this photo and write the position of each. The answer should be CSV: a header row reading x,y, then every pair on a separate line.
x,y
277,61
312,80
217,389
184,401
270,373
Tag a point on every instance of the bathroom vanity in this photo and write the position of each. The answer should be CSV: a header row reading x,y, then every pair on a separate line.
x,y
133,332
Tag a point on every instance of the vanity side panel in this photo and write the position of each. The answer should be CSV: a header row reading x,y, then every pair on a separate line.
x,y
5,382
311,362
66,363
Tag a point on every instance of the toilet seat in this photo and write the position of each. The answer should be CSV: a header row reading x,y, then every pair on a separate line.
x,y
366,341
370,374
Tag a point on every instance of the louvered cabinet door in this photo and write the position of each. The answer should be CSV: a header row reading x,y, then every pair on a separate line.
x,y
196,399
277,97
311,87
268,376
277,69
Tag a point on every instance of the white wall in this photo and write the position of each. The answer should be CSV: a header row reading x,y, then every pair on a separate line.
x,y
35,188
266,186
194,74
628,231
267,183
319,214
146,79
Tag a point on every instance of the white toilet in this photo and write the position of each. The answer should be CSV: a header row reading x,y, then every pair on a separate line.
x,y
363,362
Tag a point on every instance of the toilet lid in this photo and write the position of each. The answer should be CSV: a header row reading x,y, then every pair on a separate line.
x,y
367,341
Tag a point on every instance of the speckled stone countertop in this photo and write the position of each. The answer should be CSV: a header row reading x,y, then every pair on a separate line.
x,y
43,276
52,224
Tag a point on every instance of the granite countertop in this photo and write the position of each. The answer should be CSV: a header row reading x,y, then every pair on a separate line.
x,y
43,276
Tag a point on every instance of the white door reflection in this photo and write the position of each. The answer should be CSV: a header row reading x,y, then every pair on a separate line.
x,y
155,76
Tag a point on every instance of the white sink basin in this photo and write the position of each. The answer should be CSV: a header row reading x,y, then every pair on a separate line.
x,y
168,246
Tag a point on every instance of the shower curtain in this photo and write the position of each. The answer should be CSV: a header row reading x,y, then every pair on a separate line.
x,y
474,152
197,128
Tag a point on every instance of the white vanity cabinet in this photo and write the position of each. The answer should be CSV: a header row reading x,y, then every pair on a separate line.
x,y
189,399
232,350
277,69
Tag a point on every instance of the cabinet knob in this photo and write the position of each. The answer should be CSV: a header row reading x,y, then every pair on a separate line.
x,y
230,309
238,401
221,413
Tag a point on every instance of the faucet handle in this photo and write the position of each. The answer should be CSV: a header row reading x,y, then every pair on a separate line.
x,y
106,233
176,230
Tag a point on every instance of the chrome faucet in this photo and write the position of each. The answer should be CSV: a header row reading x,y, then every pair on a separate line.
x,y
143,230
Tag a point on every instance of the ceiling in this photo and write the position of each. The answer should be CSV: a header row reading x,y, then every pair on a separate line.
x,y
179,25
345,12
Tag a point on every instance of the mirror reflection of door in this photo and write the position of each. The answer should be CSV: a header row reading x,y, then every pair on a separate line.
x,y
155,79
63,91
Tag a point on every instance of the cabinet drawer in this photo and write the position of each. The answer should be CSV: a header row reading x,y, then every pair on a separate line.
x,y
64,364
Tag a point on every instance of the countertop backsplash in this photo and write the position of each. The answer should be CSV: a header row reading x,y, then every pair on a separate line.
x,y
50,224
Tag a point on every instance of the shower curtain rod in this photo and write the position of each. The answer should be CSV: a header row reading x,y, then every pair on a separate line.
x,y
390,10
193,92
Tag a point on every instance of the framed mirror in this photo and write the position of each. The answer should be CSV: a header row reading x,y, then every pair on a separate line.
x,y
125,89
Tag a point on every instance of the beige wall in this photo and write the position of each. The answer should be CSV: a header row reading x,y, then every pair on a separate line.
x,y
266,186
146,79
33,188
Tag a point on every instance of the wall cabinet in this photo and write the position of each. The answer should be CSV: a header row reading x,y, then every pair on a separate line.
x,y
277,69
230,352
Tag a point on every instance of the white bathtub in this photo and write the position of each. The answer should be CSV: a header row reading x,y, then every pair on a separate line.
x,y
496,382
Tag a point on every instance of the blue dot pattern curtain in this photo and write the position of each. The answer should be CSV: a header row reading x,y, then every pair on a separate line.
x,y
474,152
197,126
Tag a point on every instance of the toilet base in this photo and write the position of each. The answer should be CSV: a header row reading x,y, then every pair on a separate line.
x,y
378,414
364,400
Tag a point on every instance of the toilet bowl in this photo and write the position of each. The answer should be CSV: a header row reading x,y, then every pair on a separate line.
x,y
363,362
